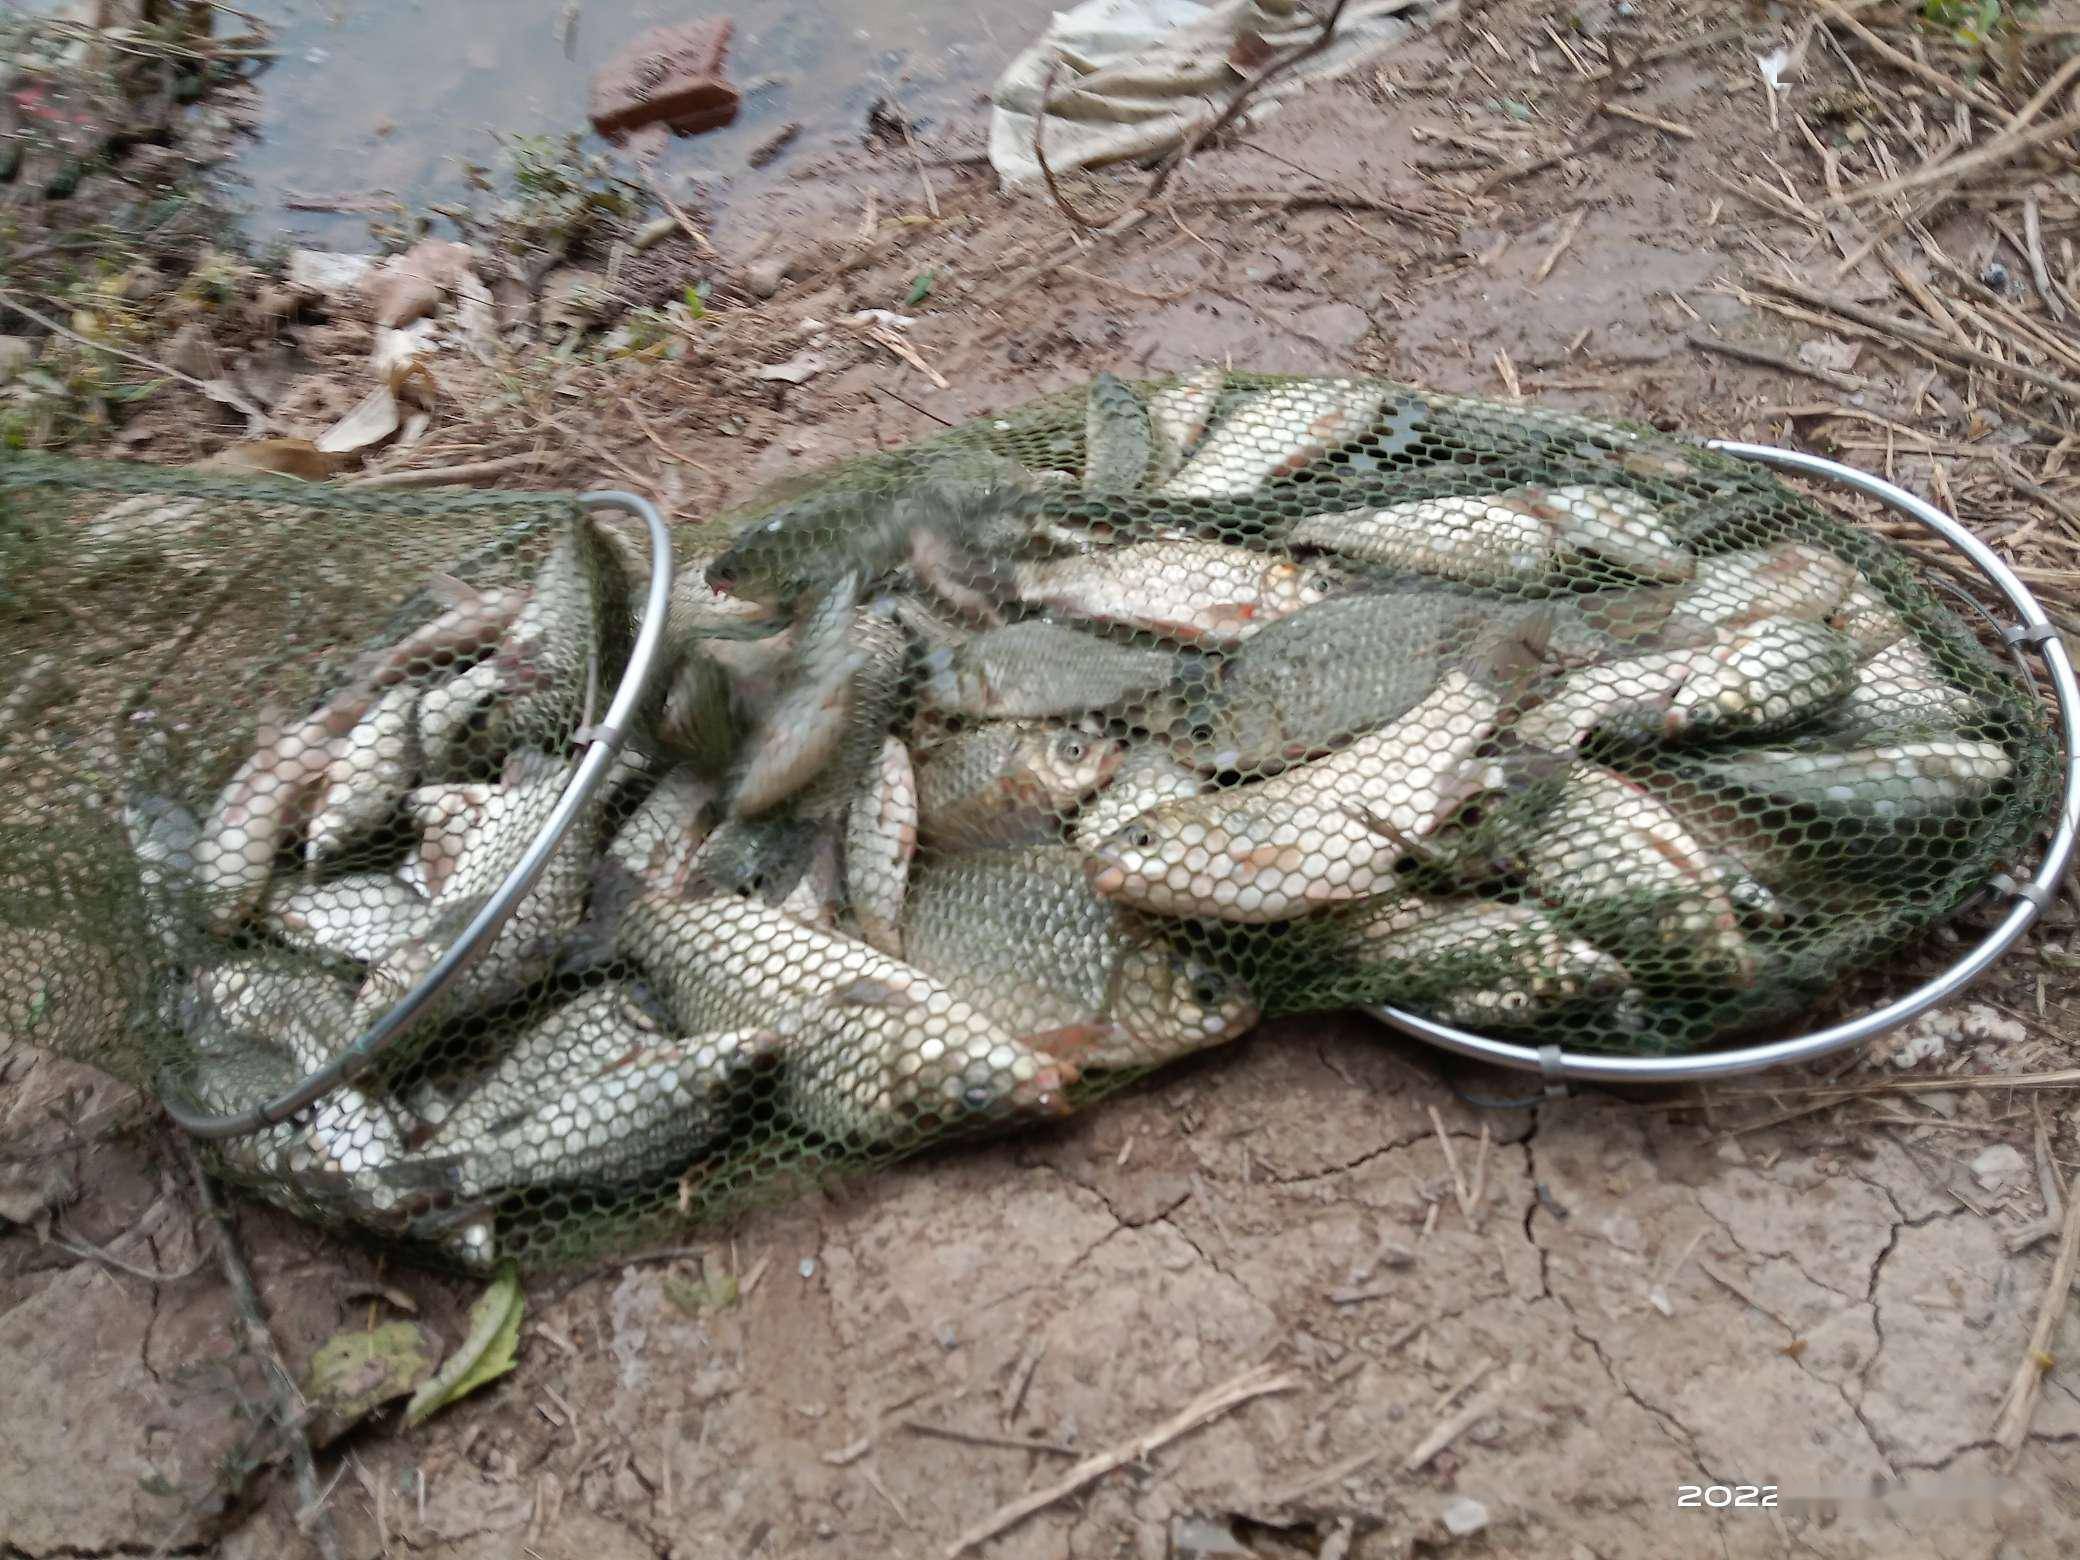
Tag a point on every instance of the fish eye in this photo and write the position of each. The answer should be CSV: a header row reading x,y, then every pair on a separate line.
x,y
1324,583
1073,748
1140,836
1209,990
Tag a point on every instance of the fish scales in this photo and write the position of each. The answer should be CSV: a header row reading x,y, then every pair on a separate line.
x,y
1275,433
1116,435
872,1047
1008,782
1198,593
1022,935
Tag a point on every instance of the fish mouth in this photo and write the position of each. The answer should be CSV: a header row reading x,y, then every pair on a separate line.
x,y
1106,872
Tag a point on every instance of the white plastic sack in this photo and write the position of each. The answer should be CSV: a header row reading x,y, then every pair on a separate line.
x,y
1136,77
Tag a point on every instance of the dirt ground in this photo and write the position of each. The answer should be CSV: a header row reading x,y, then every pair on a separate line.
x,y
1808,1283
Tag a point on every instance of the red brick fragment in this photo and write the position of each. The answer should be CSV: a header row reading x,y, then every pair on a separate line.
x,y
669,76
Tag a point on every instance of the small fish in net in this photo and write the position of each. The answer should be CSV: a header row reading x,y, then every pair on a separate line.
x,y
972,780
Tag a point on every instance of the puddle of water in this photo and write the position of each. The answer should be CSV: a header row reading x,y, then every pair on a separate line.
x,y
393,96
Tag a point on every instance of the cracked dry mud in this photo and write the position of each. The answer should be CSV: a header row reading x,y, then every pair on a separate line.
x,y
1829,1319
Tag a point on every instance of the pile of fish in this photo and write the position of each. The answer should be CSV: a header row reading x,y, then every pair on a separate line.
x,y
968,785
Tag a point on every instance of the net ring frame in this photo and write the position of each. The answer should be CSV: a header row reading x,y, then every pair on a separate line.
x,y
603,743
2035,631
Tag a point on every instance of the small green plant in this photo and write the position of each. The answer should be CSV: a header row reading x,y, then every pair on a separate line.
x,y
1973,23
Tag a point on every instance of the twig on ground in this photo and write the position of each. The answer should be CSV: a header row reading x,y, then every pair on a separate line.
x,y
1445,1434
2062,1078
1568,229
1507,372
984,1438
258,420
2009,143
1479,1195
1582,148
1253,1383
1979,93
1788,365
1451,1161
258,1339
93,1253
2012,1428
2039,270
2047,1173
1021,1378
1874,323
442,476
1077,219
671,209
1249,89
1653,122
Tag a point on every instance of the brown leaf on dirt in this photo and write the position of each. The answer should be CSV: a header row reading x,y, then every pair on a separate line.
x,y
409,286
283,457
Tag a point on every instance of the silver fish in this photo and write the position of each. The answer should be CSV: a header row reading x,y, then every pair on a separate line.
x,y
1887,781
1178,415
1527,964
1524,535
1902,686
361,916
1765,675
813,900
1200,593
1116,437
698,719
544,656
377,762
163,837
1867,618
880,840
1034,670
447,715
1147,777
1320,833
800,734
1788,580
1021,934
1611,849
444,815
873,1050
1345,666
266,802
488,846
471,622
592,1092
310,1020
1008,782
1276,433
660,839
1758,677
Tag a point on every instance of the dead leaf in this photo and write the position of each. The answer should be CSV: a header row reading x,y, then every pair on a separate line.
x,y
802,366
374,418
484,1355
1829,352
354,1373
409,286
284,457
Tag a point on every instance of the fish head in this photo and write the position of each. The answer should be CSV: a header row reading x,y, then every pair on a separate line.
x,y
1172,995
1163,861
1292,584
1072,764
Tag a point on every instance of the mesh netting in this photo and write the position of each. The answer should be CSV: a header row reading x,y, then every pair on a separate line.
x,y
976,777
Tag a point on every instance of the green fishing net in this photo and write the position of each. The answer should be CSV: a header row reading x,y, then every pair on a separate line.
x,y
972,779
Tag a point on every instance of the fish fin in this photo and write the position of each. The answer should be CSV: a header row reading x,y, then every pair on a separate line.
x,y
452,591
1508,653
1073,1044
